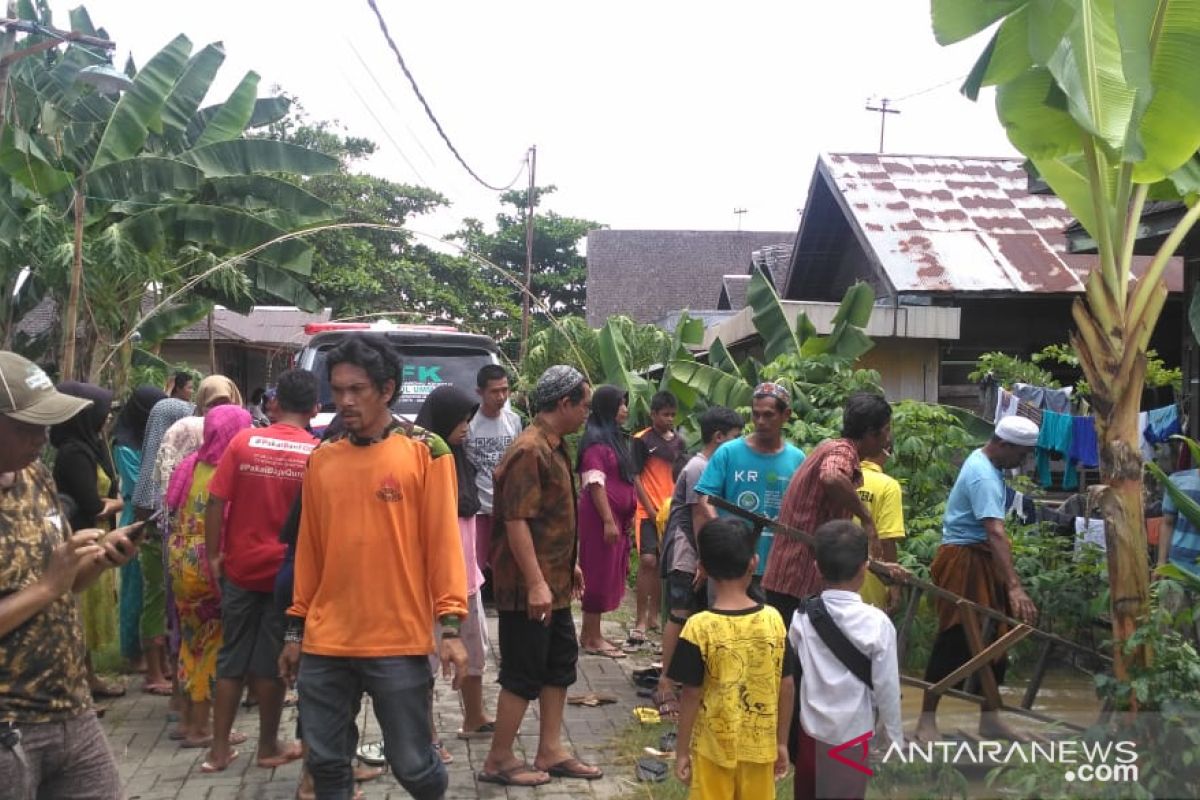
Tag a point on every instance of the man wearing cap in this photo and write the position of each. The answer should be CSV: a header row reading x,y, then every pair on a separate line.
x,y
975,562
535,575
51,744
754,471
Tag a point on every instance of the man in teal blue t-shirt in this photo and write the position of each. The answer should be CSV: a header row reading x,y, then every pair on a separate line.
x,y
975,561
754,471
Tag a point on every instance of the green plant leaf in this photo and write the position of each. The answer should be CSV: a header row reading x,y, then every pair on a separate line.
x,y
1005,57
23,159
1186,506
719,357
139,111
192,86
266,111
142,178
770,320
234,114
1067,176
1034,127
170,321
284,285
1170,127
955,20
1088,68
250,156
715,386
262,193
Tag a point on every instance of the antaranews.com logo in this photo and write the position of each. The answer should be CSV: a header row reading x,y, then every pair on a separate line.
x,y
1081,760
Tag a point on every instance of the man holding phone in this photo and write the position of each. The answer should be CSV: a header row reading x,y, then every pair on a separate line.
x,y
51,744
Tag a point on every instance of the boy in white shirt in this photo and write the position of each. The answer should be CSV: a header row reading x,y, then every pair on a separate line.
x,y
840,694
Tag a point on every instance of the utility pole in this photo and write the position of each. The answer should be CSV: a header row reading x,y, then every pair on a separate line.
x,y
883,110
739,212
529,205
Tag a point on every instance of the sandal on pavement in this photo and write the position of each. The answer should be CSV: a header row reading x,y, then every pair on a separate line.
x,y
209,767
371,754
482,732
163,689
445,755
608,652
668,705
362,774
635,642
291,752
107,689
574,768
510,776
651,770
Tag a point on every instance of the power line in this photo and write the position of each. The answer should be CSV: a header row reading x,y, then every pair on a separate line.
x,y
386,132
387,96
429,111
927,90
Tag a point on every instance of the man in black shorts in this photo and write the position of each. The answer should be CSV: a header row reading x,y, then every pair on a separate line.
x,y
686,591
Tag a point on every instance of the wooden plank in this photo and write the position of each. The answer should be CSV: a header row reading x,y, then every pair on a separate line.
x,y
987,678
984,658
977,700
910,613
1039,674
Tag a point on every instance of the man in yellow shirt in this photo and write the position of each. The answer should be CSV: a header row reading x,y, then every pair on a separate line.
x,y
882,495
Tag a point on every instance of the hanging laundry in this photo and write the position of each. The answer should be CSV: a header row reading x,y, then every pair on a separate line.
x,y
1006,404
1089,531
1146,448
1055,437
1162,424
1085,449
1044,397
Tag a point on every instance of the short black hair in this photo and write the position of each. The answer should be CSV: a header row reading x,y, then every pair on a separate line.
x,y
864,412
296,391
841,549
257,395
575,397
726,545
374,354
182,378
488,373
718,419
663,400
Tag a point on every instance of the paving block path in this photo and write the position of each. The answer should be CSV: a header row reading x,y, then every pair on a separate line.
x,y
155,768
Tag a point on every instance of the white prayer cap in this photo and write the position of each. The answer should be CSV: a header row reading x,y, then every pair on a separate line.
x,y
1017,430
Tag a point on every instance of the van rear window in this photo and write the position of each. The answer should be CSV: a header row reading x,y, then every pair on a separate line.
x,y
426,367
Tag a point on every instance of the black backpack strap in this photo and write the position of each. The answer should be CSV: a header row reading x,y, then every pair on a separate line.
x,y
850,656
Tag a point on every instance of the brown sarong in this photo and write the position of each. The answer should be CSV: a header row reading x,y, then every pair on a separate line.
x,y
969,571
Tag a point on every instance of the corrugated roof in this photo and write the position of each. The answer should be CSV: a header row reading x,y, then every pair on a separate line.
x,y
648,274
936,224
277,326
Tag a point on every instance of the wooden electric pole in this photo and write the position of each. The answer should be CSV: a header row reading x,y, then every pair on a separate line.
x,y
883,110
530,202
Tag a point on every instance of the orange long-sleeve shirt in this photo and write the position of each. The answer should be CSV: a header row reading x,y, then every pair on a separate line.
x,y
379,554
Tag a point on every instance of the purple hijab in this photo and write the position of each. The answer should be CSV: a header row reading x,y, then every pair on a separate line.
x,y
221,424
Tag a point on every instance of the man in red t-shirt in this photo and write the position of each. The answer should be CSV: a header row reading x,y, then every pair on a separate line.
x,y
252,492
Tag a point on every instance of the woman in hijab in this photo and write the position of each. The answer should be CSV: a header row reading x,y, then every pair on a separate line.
x,y
606,508
447,411
128,435
197,598
85,476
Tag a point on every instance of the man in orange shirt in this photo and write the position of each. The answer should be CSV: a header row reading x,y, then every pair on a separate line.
x,y
378,556
657,450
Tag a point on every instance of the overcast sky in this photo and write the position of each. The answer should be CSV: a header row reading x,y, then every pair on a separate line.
x,y
645,114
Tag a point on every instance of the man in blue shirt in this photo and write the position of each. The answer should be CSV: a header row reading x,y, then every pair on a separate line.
x,y
754,471
975,562
1183,546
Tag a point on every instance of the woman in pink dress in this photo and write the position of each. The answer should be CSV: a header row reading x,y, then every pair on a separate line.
x,y
607,502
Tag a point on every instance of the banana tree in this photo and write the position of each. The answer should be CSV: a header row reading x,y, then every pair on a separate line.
x,y
1102,97
148,190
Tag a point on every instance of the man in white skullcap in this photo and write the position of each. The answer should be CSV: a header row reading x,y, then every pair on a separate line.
x,y
975,562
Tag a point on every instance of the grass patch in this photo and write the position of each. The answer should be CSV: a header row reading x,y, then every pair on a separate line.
x,y
629,748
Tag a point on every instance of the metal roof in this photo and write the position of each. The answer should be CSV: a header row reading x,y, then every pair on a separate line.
x,y
277,326
936,224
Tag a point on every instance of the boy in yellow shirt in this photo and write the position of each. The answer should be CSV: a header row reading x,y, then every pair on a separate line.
x,y
735,665
882,495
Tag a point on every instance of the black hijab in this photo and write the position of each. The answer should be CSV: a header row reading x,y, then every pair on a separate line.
x,y
602,428
443,410
131,422
84,429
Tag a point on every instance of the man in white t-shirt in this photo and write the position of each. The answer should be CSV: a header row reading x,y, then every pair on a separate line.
x,y
493,429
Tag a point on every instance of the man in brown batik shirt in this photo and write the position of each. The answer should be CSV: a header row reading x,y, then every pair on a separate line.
x,y
534,578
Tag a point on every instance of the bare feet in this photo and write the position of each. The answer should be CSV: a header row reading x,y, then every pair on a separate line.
x,y
992,727
927,729
279,755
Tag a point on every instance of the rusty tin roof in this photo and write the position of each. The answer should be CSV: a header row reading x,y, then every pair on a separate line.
x,y
939,224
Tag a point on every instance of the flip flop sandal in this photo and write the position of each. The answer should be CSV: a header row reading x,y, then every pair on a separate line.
x,y
647,715
646,681
208,767
574,768
507,777
290,753
189,744
445,755
668,741
651,770
591,700
158,689
482,732
107,690
371,754
652,671
606,653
